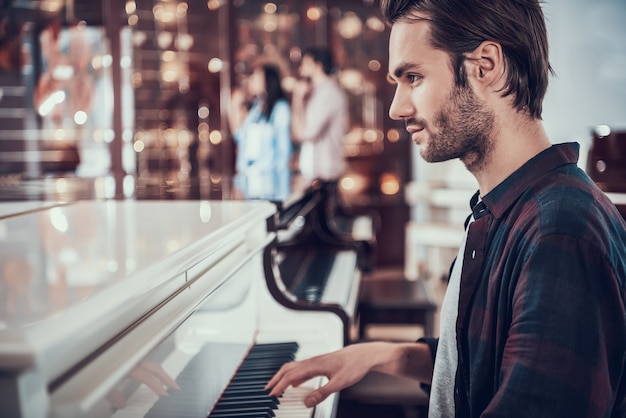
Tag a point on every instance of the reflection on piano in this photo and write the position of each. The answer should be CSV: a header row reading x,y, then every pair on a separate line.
x,y
314,264
158,309
606,164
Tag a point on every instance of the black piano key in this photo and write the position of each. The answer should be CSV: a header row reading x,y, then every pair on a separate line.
x,y
251,390
243,395
245,389
239,404
275,347
259,408
247,397
244,414
264,364
254,377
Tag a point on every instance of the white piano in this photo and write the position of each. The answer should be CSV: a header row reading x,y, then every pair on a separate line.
x,y
148,308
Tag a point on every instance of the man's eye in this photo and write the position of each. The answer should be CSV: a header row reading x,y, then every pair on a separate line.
x,y
413,78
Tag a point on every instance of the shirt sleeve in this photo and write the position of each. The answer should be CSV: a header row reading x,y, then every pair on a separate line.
x,y
564,352
281,119
432,344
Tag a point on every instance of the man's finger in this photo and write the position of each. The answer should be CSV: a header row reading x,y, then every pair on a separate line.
x,y
320,394
276,378
280,374
315,397
291,374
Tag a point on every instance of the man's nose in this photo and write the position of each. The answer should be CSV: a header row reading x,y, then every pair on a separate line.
x,y
401,106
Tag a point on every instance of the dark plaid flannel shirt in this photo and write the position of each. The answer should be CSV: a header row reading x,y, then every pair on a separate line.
x,y
541,330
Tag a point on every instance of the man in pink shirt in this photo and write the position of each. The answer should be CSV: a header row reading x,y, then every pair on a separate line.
x,y
319,118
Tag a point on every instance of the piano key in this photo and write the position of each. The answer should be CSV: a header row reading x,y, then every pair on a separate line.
x,y
244,404
246,390
243,414
231,399
262,404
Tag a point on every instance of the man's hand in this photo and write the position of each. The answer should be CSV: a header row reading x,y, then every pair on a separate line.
x,y
300,90
343,368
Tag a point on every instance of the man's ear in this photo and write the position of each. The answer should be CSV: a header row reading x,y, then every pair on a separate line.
x,y
486,63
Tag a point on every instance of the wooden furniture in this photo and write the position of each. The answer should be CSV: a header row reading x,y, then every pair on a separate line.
x,y
402,393
397,301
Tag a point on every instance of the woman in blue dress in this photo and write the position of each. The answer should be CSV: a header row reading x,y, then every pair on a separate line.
x,y
264,139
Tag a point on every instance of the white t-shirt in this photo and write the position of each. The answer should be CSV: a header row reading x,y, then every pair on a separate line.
x,y
446,361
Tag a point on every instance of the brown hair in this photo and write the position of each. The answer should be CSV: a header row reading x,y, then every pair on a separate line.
x,y
460,26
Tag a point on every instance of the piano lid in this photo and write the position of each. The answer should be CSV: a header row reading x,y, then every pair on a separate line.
x,y
74,275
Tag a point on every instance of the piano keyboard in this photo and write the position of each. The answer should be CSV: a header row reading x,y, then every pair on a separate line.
x,y
244,396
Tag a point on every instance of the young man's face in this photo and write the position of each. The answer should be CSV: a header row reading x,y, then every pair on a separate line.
x,y
445,120
307,67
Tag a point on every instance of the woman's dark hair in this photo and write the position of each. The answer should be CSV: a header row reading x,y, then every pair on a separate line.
x,y
273,88
460,26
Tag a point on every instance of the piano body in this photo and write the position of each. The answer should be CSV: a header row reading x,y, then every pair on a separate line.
x,y
103,302
313,264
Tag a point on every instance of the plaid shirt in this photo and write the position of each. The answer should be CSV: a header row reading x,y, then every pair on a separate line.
x,y
541,330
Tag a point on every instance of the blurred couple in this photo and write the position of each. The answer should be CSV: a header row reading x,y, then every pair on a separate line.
x,y
266,130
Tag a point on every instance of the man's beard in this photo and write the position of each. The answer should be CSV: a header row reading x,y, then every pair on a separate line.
x,y
463,129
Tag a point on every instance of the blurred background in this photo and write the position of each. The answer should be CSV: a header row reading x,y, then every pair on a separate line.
x,y
115,99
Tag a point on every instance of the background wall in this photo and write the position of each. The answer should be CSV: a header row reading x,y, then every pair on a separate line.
x,y
588,53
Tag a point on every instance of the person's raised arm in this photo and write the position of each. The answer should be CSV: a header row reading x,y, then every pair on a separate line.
x,y
301,90
237,111
347,366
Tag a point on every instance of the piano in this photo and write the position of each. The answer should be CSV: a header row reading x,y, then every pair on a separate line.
x,y
312,264
148,309
606,164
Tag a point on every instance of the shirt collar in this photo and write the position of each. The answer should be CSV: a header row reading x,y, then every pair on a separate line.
x,y
498,200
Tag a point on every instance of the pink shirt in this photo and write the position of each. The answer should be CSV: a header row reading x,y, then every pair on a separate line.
x,y
325,126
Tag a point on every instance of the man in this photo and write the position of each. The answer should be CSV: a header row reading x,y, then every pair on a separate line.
x,y
319,118
533,323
